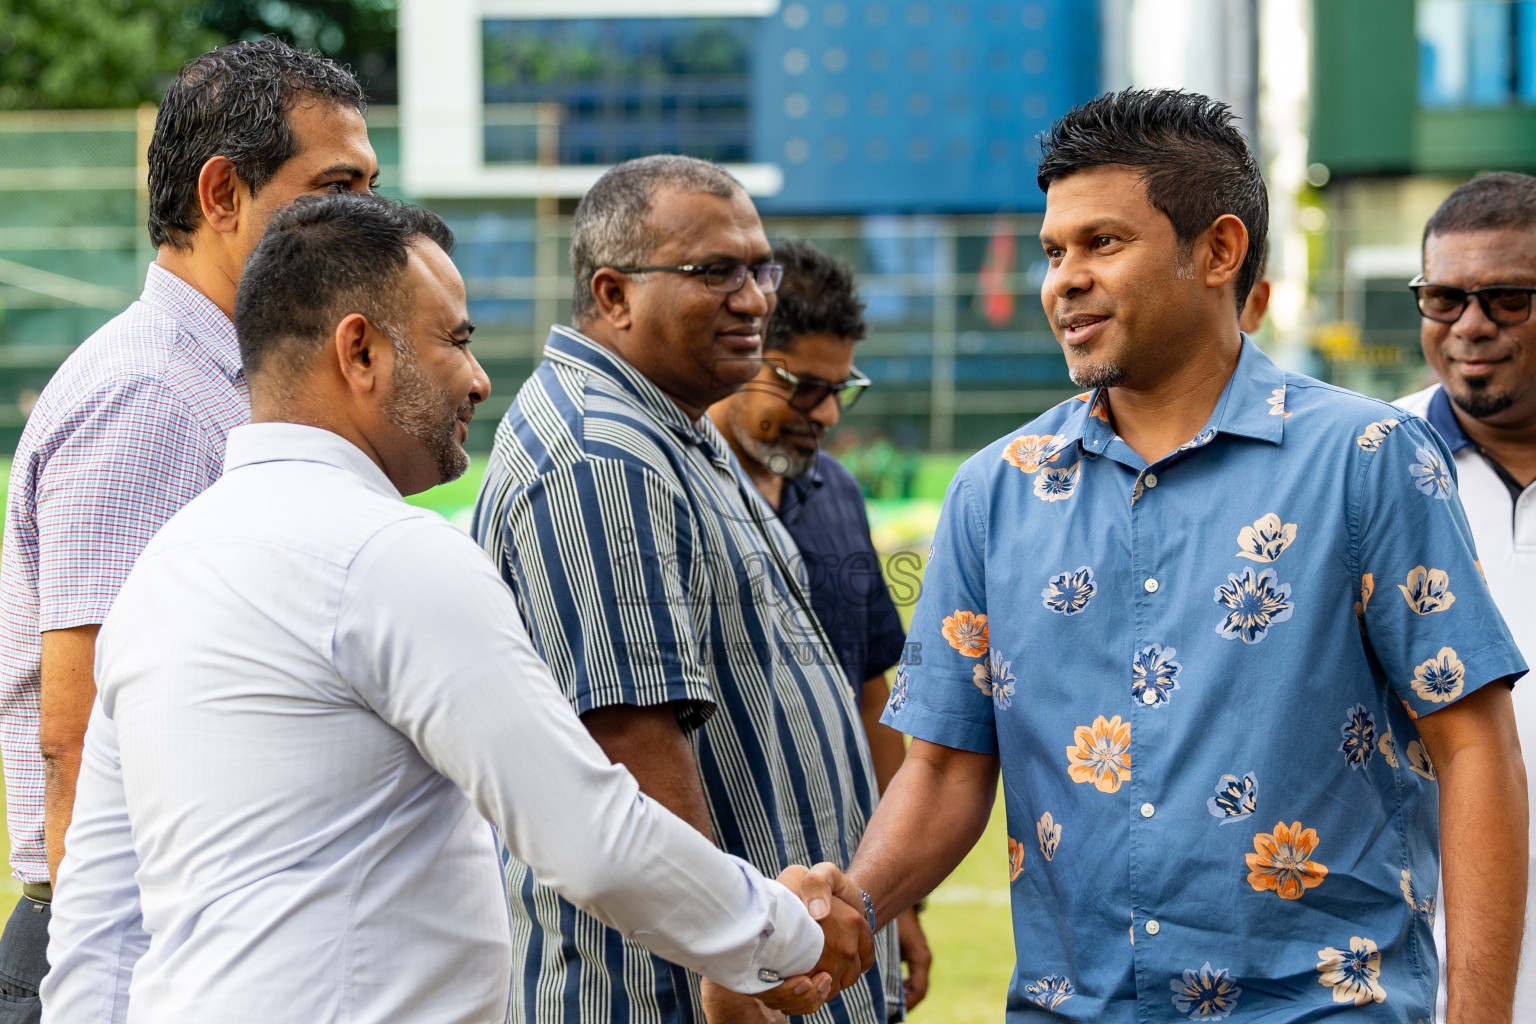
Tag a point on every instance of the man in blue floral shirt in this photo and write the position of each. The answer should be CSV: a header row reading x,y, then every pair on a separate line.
x,y
1223,630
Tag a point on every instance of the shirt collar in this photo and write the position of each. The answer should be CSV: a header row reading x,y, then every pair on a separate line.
x,y
574,349
256,443
798,491
204,321
1443,418
1251,405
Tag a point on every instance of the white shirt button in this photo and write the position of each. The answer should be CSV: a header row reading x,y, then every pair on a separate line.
x,y
1147,810
1150,586
1153,927
1150,479
1149,696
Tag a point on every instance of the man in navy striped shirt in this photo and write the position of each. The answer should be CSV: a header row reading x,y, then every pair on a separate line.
x,y
774,426
661,589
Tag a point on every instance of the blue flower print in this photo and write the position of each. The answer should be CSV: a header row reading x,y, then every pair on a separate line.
x,y
1354,974
1199,440
1430,474
1424,907
1375,433
1050,991
1360,741
1276,402
1056,484
1069,592
994,677
1154,675
1257,601
1235,799
1206,994
898,692
1441,678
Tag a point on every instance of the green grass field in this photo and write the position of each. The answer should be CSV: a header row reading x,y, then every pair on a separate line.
x,y
967,920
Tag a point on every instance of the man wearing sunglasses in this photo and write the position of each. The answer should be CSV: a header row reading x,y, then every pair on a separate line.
x,y
665,597
775,425
1480,339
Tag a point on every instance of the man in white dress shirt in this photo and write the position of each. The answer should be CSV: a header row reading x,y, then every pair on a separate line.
x,y
1480,339
308,688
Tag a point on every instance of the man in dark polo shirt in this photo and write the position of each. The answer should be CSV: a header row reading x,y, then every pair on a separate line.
x,y
774,425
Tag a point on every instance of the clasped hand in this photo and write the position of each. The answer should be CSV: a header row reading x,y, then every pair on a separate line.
x,y
847,952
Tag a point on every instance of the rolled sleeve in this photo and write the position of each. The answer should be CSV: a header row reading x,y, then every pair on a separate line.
x,y
1426,610
602,555
130,462
936,696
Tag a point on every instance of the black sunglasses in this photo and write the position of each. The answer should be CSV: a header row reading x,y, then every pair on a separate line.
x,y
725,276
806,393
1504,304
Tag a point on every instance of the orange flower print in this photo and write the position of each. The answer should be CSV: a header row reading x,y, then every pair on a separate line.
x,y
1279,862
1367,588
1101,754
966,633
1100,408
1015,859
1031,451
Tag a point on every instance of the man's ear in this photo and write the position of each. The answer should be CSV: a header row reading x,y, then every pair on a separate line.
x,y
221,195
1227,245
611,290
364,354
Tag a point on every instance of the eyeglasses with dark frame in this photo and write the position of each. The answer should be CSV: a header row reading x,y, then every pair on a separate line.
x,y
723,276
1504,304
806,393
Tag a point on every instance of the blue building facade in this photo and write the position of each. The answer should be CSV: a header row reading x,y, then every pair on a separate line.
x,y
864,107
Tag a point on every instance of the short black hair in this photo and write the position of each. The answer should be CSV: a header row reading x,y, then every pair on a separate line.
x,y
322,258
1195,164
232,102
817,296
1489,202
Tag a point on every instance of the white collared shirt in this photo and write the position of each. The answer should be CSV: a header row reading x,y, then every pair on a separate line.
x,y
307,690
1504,531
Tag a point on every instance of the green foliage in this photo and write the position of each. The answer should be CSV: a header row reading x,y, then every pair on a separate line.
x,y
120,53
358,33
108,53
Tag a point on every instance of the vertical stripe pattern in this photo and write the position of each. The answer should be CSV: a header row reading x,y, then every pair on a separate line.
x,y
649,571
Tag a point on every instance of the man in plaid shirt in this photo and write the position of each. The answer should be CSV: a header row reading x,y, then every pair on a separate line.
x,y
133,425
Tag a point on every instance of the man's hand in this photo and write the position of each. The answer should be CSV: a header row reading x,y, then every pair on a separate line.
x,y
722,1006
1483,836
848,951
915,954
836,904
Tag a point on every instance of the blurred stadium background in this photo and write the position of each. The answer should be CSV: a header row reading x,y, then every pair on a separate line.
x,y
898,134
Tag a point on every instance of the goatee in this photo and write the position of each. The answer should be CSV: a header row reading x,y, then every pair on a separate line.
x,y
1097,375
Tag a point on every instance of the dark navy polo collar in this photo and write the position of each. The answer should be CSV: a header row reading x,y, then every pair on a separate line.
x,y
1443,418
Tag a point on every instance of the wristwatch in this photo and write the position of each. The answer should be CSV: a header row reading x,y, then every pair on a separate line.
x,y
869,909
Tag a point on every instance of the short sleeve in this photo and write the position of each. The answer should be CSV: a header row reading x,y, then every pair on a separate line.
x,y
1425,607
129,464
943,692
602,556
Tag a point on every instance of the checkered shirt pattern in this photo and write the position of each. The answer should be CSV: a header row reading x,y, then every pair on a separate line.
x,y
129,430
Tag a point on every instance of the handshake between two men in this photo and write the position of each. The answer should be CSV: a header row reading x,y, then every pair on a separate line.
x,y
838,906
